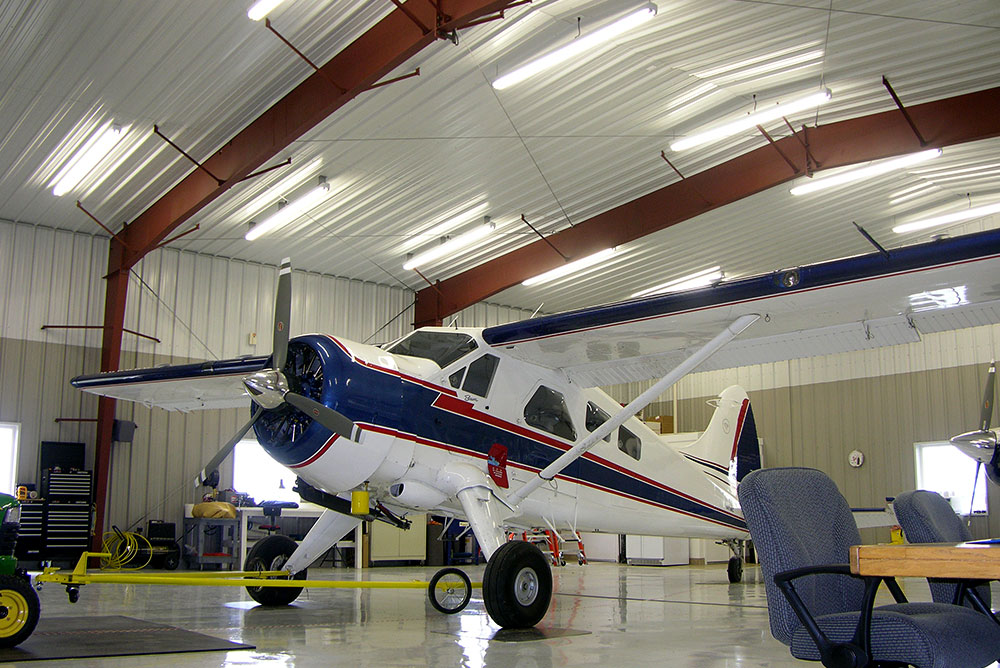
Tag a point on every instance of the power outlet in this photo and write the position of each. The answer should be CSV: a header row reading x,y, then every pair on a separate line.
x,y
252,339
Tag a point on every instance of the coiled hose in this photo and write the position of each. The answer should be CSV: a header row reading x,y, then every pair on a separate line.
x,y
129,551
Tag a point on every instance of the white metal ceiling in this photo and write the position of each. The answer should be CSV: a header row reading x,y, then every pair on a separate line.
x,y
559,148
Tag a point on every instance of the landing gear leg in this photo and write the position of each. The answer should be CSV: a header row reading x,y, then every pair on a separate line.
x,y
735,566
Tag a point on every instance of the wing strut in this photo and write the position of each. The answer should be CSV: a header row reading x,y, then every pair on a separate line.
x,y
636,405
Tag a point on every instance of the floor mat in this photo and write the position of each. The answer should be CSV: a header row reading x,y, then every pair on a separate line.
x,y
80,637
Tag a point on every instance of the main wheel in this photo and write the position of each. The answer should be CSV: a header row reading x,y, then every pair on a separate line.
x,y
270,554
735,569
19,610
517,585
449,590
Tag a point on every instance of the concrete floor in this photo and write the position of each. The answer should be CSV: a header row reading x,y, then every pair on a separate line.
x,y
602,614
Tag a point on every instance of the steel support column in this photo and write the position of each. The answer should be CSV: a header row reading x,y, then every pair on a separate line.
x,y
373,55
946,122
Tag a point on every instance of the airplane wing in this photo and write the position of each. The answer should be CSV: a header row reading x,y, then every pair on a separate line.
x,y
184,387
857,303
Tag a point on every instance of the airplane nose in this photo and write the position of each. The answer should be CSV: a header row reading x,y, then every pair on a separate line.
x,y
267,388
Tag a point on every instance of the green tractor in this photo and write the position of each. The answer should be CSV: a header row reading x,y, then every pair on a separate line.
x,y
19,606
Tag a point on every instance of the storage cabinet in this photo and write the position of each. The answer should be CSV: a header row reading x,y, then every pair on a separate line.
x,y
52,530
391,544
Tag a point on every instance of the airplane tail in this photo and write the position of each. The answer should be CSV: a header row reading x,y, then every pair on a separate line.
x,y
729,444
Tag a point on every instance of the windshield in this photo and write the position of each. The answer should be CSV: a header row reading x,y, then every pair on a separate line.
x,y
440,347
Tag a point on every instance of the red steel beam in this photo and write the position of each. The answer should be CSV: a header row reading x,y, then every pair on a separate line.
x,y
946,122
388,44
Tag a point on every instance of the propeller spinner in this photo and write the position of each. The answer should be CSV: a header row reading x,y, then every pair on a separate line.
x,y
270,389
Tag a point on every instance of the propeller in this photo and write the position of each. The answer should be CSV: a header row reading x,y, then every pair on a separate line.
x,y
983,437
269,388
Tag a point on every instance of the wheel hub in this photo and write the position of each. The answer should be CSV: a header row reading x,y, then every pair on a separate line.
x,y
526,586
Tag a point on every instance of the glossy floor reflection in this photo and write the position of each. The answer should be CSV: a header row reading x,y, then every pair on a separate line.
x,y
602,615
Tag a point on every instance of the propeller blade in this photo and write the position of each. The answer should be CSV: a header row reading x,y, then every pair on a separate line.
x,y
214,462
986,416
282,314
972,501
326,416
993,468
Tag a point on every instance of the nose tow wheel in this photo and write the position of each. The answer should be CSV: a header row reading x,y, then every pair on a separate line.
x,y
517,585
449,590
19,610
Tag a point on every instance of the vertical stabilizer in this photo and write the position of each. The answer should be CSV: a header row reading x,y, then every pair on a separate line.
x,y
729,445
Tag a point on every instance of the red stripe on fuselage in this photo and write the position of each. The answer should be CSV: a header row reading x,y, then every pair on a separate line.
x,y
739,427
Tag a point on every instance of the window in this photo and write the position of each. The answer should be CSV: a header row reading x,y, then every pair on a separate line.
x,y
943,468
256,474
547,410
629,443
9,439
441,347
455,379
595,418
480,375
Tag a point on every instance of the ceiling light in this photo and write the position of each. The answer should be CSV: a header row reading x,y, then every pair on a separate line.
x,y
699,279
948,218
291,211
451,246
571,267
84,160
742,123
281,189
576,47
872,170
262,8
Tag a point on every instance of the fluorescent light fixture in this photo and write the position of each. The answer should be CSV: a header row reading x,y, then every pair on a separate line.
x,y
84,160
280,189
290,211
699,279
576,47
262,8
872,170
571,267
937,299
451,246
948,218
742,123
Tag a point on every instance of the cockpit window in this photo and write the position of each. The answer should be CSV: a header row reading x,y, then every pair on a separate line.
x,y
480,375
595,418
440,347
547,410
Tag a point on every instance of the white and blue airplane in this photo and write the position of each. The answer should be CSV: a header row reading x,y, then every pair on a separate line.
x,y
504,426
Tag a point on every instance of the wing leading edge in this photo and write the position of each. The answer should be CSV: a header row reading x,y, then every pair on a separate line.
x,y
183,387
857,303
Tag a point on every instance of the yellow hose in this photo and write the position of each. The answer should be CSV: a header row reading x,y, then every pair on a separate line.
x,y
126,550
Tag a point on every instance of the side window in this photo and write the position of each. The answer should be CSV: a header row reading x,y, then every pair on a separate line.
x,y
480,375
547,410
455,379
595,418
629,443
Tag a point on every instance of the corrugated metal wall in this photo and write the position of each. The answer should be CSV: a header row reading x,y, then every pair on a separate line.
x,y
199,307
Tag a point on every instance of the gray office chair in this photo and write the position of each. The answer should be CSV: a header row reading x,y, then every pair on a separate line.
x,y
802,529
926,517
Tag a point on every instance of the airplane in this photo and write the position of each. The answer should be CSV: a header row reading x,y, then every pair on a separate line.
x,y
981,444
505,427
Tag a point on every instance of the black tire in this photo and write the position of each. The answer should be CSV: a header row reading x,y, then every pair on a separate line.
x,y
270,554
517,585
452,595
19,608
172,560
735,569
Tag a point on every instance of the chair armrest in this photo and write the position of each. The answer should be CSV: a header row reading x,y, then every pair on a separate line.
x,y
853,654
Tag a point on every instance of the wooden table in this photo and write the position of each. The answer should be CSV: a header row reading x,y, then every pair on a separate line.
x,y
979,561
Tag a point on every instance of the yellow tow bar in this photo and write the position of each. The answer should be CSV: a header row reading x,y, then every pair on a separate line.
x,y
81,576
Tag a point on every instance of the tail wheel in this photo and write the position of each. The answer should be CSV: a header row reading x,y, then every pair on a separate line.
x,y
735,569
449,590
517,585
270,554
19,610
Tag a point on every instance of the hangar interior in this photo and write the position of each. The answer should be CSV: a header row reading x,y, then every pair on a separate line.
x,y
562,163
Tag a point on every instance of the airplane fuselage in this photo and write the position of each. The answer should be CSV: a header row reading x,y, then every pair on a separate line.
x,y
420,418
